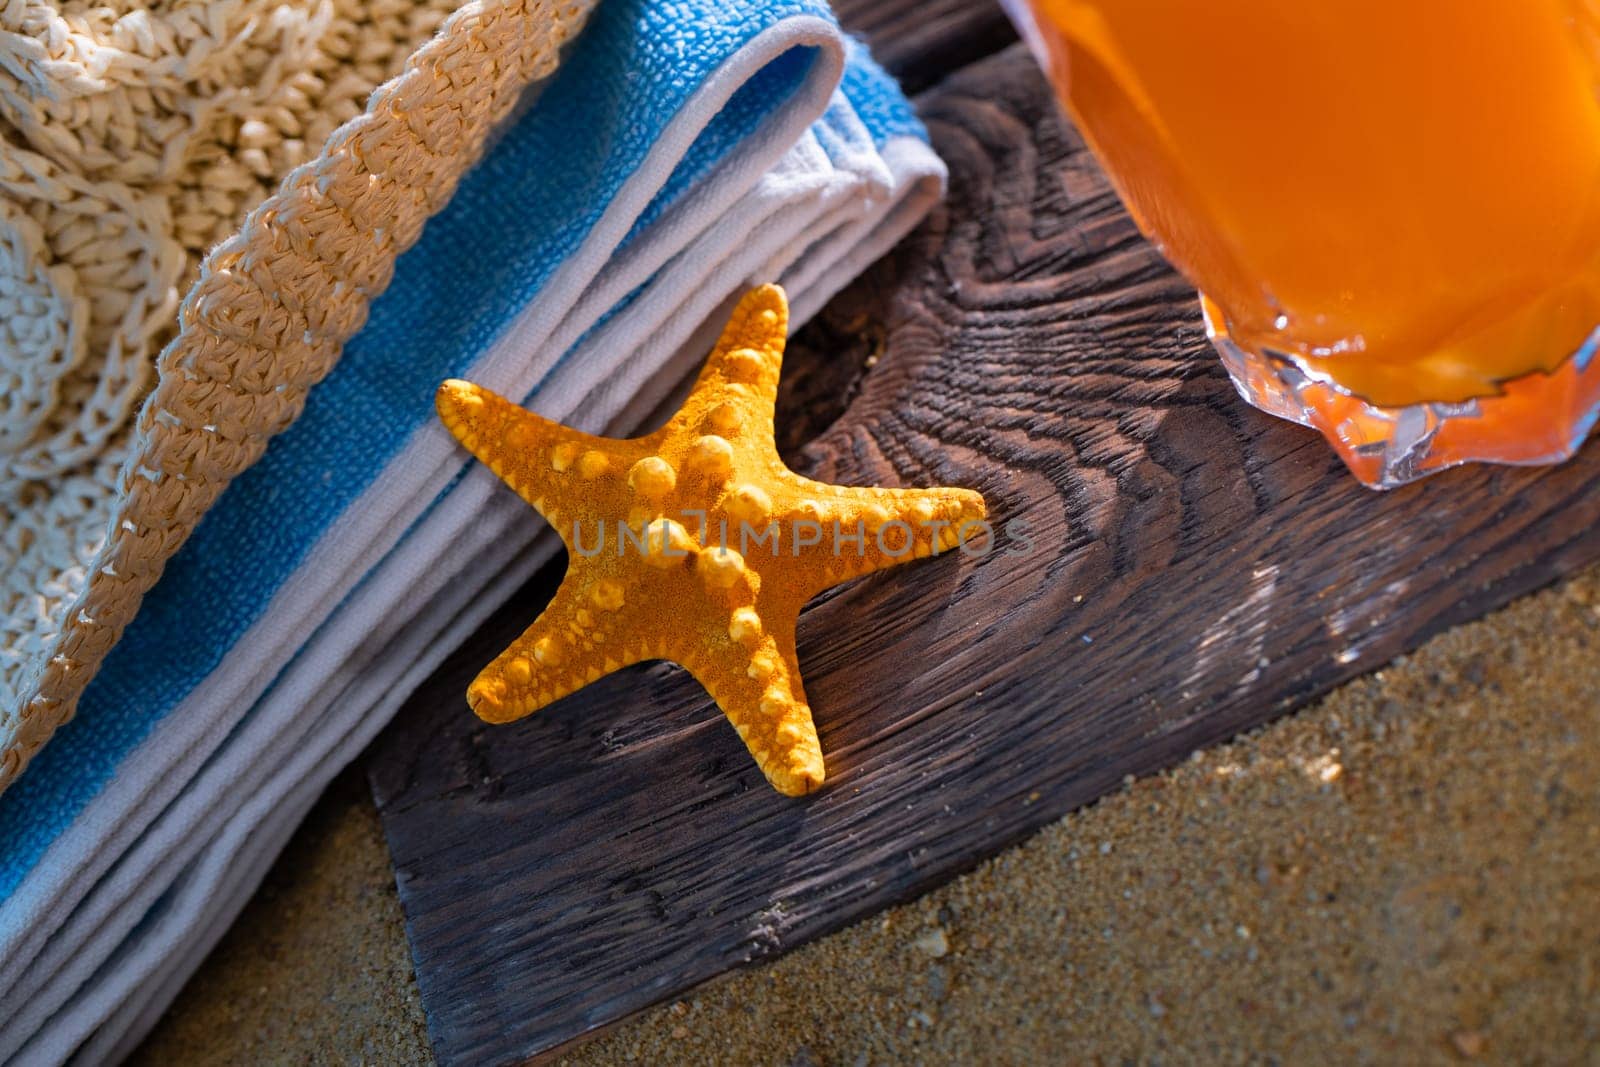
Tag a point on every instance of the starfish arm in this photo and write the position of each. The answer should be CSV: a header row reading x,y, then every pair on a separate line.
x,y
544,461
580,637
761,694
865,530
737,389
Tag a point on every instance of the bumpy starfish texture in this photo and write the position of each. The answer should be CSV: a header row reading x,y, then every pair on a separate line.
x,y
694,544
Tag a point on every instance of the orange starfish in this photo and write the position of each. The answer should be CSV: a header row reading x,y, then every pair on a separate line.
x,y
693,543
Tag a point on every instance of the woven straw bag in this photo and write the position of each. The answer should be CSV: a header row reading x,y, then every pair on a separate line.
x,y
132,140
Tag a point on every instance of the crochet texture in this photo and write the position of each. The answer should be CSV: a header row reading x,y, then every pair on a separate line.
x,y
134,139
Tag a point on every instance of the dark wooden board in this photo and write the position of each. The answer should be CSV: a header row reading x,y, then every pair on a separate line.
x,y
922,41
1197,568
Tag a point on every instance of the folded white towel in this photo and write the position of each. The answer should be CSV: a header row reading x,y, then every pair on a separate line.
x,y
787,156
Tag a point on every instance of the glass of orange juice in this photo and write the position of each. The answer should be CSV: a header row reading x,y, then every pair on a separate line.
x,y
1391,207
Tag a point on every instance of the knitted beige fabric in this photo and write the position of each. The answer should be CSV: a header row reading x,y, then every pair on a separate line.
x,y
131,141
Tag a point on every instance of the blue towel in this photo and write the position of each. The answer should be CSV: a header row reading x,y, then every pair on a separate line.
x,y
681,154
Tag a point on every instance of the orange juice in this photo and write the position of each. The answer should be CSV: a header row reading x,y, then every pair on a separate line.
x,y
1396,202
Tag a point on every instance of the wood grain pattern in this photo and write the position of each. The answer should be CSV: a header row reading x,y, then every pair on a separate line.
x,y
921,41
1196,568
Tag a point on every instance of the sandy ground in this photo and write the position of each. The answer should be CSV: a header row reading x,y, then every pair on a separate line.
x,y
1408,871
317,969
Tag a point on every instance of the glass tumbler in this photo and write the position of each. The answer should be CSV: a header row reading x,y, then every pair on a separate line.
x,y
1391,207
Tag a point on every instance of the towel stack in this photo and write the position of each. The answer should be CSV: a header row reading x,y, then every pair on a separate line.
x,y
680,154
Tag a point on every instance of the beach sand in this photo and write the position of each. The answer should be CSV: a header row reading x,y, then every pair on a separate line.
x,y
1405,871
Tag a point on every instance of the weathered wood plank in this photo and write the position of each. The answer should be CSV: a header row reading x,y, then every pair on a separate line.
x,y
1196,568
922,41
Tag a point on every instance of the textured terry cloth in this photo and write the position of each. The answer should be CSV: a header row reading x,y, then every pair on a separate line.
x,y
678,157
